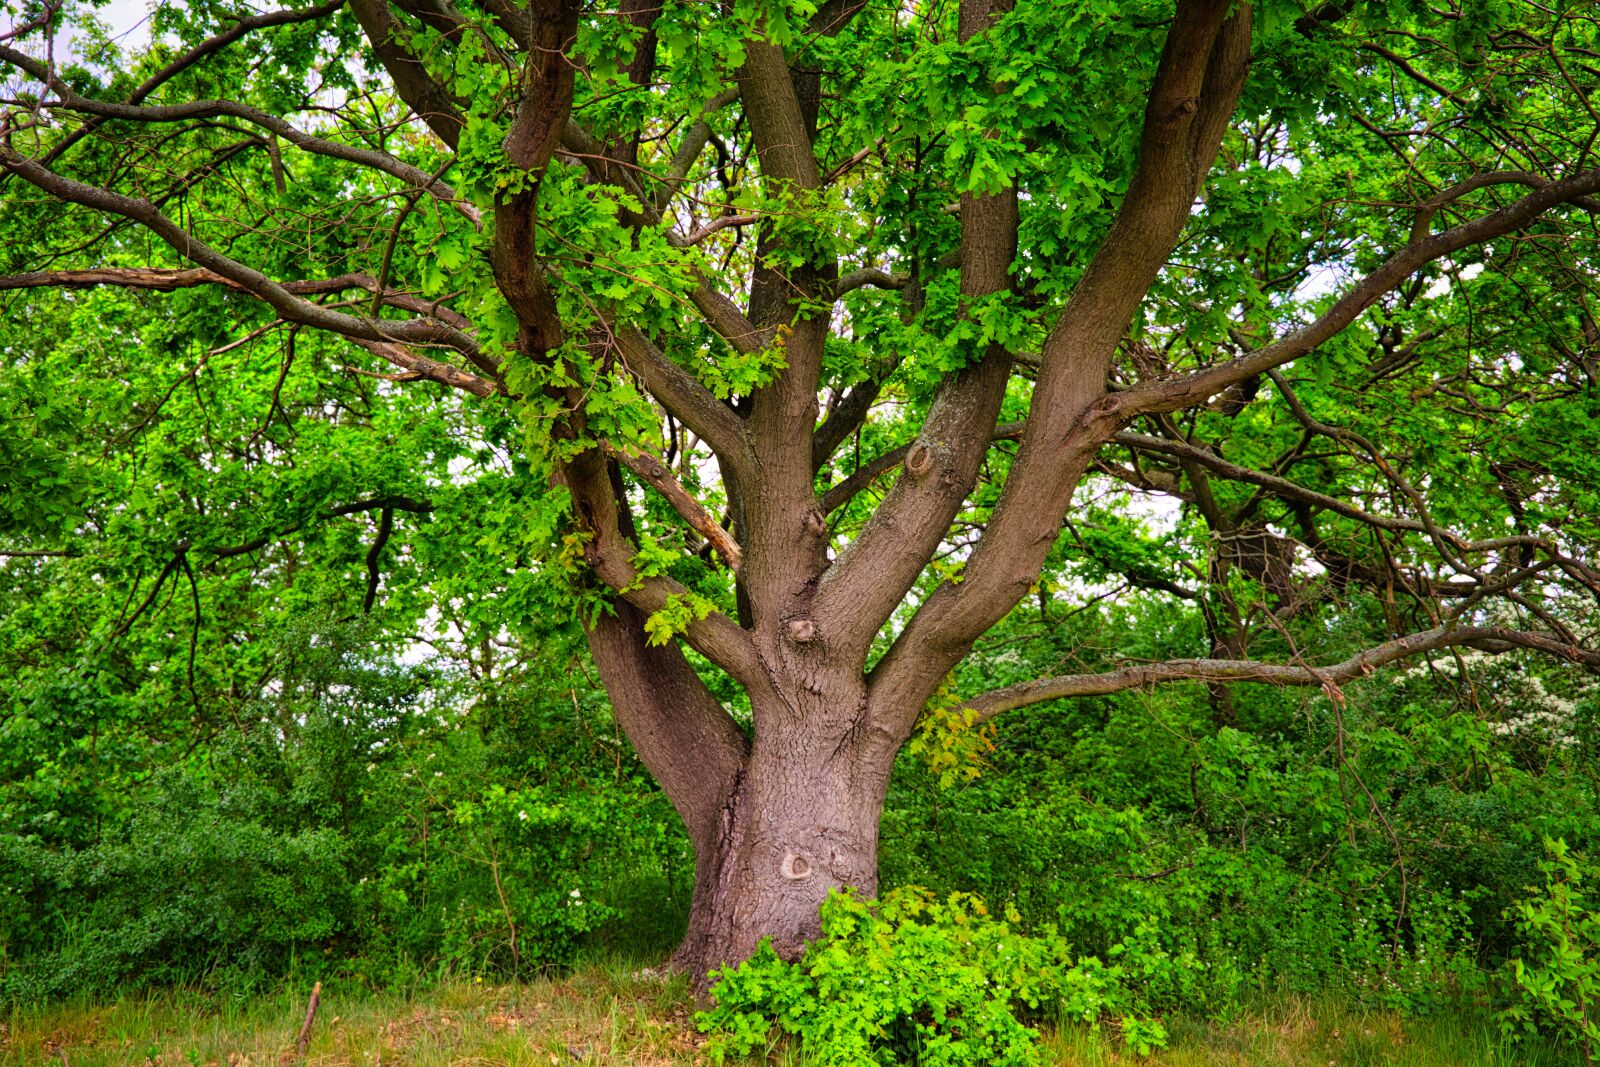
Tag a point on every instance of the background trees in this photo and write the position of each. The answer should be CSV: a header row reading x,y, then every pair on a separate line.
x,y
806,351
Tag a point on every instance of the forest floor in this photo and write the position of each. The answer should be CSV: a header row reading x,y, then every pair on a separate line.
x,y
606,1015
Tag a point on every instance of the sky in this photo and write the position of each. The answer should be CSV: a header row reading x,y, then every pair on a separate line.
x,y
130,17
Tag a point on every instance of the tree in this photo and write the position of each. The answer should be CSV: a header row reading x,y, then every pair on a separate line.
x,y
830,328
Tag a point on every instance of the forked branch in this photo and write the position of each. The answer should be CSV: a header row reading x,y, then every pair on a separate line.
x,y
1195,388
290,308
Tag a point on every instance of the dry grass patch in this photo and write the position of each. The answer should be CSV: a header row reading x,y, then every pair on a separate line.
x,y
597,1019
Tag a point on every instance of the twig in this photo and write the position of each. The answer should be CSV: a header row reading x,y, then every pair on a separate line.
x,y
650,470
304,1040
1153,875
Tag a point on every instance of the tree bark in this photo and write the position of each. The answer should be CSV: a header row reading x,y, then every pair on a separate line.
x,y
689,743
775,824
800,819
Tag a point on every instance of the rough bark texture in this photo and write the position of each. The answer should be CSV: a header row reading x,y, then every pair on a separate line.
x,y
775,824
801,820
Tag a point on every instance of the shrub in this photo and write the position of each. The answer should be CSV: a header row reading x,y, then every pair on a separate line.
x,y
1558,977
188,887
909,979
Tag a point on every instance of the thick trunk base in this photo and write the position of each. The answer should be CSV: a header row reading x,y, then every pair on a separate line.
x,y
792,830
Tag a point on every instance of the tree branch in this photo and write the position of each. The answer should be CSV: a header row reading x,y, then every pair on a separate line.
x,y
872,574
689,402
841,493
1196,89
1280,486
167,280
1490,638
875,276
101,110
210,46
290,307
374,555
381,503
1195,388
777,122
1423,223
845,420
689,149
610,554
650,470
430,369
432,103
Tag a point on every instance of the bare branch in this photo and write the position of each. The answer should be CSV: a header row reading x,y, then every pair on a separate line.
x,y
874,276
721,222
1281,486
1430,207
418,367
1490,638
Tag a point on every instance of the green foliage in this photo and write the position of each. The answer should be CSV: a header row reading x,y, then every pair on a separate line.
x,y
950,740
221,758
910,979
362,833
191,883
1217,863
1558,975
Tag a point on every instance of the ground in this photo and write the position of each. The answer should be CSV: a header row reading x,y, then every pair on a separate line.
x,y
611,1015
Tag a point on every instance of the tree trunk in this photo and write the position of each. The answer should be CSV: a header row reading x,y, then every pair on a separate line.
x,y
800,820
776,824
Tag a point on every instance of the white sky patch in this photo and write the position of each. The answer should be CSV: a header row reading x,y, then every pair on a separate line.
x,y
129,21
1157,512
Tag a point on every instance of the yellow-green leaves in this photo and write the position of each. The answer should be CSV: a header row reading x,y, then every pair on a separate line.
x,y
681,611
949,738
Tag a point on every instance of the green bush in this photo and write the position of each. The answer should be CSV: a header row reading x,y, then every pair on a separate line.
x,y
1558,976
909,979
190,886
358,834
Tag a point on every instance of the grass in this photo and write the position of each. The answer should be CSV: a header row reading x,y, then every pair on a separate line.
x,y
1299,1032
601,1016
607,1015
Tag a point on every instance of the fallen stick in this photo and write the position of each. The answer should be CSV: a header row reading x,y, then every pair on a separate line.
x,y
311,1017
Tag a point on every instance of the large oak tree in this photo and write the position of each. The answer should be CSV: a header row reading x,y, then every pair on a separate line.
x,y
830,328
